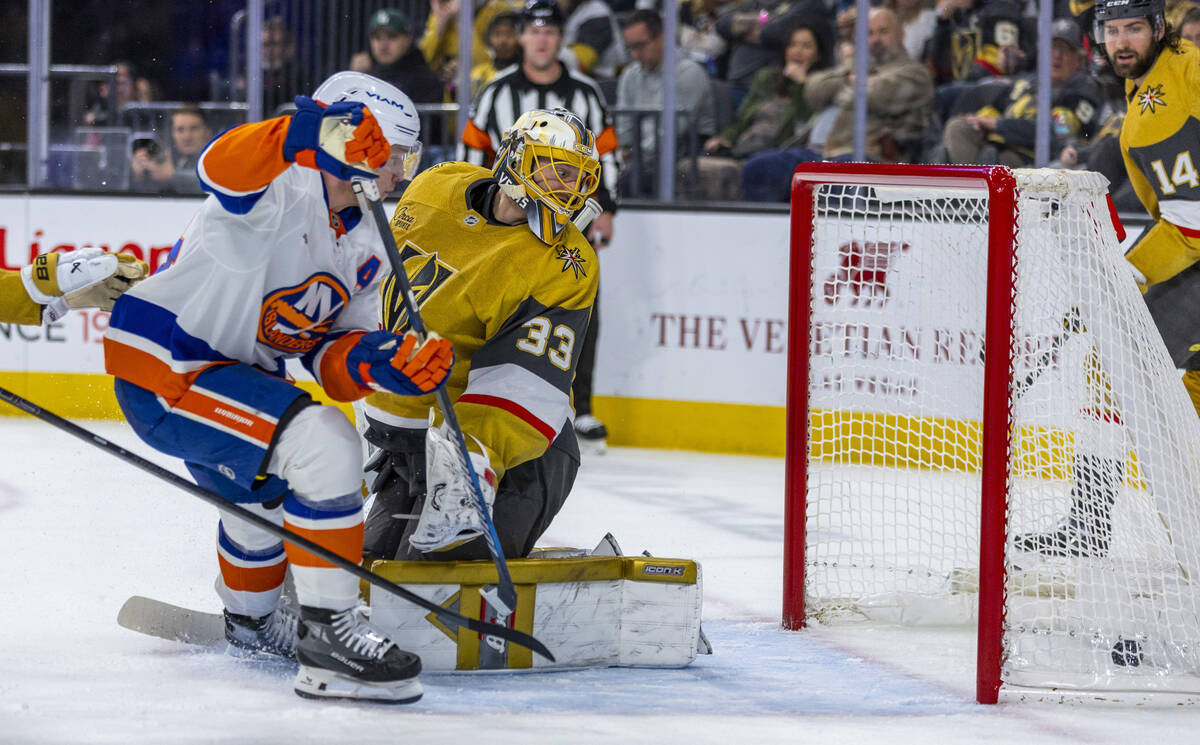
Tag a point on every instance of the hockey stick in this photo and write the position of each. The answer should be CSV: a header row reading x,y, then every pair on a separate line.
x,y
447,616
504,600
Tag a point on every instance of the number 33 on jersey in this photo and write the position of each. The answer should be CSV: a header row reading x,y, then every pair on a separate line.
x,y
514,307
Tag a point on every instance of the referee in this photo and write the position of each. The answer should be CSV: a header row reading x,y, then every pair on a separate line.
x,y
542,81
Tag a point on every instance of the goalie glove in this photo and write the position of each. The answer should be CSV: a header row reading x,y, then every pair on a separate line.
x,y
450,515
88,278
343,139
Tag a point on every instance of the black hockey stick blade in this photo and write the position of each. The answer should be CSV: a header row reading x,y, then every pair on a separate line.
x,y
368,194
449,616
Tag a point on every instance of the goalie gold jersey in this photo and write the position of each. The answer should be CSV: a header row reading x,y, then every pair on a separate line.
x,y
515,308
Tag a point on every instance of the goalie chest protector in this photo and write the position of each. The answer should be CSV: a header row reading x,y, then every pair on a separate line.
x,y
593,611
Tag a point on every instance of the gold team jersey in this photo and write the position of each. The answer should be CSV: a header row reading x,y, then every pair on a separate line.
x,y
15,304
1160,139
515,308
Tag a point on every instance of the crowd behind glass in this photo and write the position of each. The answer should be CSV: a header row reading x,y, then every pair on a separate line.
x,y
761,85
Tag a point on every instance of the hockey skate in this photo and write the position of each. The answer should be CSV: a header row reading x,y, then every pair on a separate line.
x,y
344,657
273,634
592,435
1086,531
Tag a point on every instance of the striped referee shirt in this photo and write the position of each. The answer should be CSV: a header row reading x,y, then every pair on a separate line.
x,y
511,94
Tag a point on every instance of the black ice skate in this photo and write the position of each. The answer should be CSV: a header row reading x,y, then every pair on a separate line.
x,y
271,634
1088,528
592,434
343,656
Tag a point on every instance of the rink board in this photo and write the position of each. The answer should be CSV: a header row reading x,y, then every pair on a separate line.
x,y
692,340
589,611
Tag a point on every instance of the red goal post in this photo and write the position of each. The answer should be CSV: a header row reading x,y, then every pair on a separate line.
x,y
917,465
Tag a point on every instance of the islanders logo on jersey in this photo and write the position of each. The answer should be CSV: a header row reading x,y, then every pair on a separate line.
x,y
1151,98
294,319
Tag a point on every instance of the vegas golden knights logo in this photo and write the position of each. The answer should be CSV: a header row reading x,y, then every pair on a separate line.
x,y
964,48
426,273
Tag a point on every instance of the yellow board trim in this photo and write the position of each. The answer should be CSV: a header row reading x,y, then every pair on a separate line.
x,y
90,395
838,436
692,425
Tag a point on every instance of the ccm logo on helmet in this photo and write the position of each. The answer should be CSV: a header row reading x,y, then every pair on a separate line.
x,y
658,569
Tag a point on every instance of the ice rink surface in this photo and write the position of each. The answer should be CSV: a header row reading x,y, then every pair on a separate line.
x,y
82,531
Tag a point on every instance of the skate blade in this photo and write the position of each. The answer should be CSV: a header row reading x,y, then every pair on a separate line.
x,y
592,447
317,683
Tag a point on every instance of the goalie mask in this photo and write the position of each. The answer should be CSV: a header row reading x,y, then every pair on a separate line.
x,y
549,166
395,112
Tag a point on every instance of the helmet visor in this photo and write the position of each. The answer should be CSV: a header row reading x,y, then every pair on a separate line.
x,y
404,161
1133,27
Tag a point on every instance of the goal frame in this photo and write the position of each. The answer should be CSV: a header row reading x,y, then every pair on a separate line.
x,y
1001,186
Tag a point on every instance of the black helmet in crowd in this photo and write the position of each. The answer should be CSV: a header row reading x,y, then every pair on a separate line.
x,y
542,13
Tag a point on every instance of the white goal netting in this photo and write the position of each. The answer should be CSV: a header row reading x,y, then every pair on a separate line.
x,y
1102,552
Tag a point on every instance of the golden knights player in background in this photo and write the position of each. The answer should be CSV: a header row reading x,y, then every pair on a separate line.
x,y
1160,141
499,269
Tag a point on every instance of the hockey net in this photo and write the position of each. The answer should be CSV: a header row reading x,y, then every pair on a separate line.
x,y
1047,490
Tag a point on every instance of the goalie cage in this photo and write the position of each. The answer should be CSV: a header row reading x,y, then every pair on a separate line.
x,y
1055,476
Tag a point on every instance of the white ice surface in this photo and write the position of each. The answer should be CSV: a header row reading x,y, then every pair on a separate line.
x,y
81,532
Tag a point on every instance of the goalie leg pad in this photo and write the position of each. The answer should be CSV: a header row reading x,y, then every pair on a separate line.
x,y
590,611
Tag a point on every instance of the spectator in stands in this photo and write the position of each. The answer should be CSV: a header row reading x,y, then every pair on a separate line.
x,y
974,40
98,109
757,30
899,98
640,85
145,90
504,50
919,19
439,43
155,169
698,37
593,35
393,58
1102,153
769,117
1190,27
1002,130
279,73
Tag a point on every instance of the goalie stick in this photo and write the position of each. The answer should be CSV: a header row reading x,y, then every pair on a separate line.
x,y
446,615
504,597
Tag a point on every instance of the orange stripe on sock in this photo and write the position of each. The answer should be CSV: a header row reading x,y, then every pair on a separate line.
x,y
257,579
345,542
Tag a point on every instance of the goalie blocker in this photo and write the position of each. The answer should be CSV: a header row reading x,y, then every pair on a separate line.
x,y
591,611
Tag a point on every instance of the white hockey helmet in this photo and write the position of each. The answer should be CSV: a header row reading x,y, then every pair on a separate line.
x,y
549,165
394,110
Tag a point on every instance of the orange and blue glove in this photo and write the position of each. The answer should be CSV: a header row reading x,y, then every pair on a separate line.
x,y
343,139
384,361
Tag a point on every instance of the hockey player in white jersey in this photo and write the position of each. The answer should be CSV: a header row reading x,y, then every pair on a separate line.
x,y
276,265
